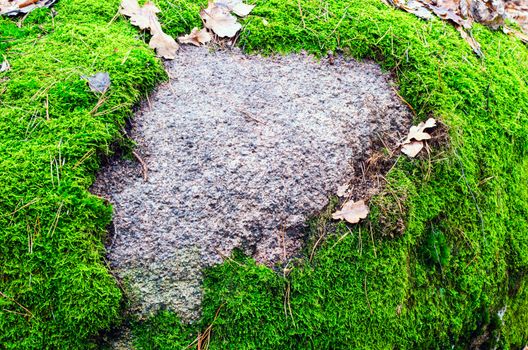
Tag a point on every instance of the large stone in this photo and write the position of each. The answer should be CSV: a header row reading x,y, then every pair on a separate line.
x,y
240,151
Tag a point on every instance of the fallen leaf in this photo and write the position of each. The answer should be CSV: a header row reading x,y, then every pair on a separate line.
x,y
197,37
145,17
520,35
342,190
164,45
415,7
418,132
450,14
352,212
17,7
100,82
220,20
5,66
236,6
413,144
129,8
475,46
413,148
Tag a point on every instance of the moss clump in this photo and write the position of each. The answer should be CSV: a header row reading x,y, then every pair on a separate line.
x,y
361,289
56,289
471,200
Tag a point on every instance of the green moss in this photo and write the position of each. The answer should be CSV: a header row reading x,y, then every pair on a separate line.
x,y
57,292
469,199
362,289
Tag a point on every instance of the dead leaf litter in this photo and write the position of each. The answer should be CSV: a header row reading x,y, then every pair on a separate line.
x,y
218,19
19,7
414,142
463,13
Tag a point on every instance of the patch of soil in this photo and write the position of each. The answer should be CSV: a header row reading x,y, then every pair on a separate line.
x,y
240,151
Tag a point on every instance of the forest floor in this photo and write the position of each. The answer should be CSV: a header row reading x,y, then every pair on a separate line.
x,y
440,262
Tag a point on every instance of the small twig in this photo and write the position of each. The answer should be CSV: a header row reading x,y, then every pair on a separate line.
x,y
207,333
342,237
47,107
225,257
404,101
287,298
360,241
301,13
340,21
366,294
247,115
28,313
143,165
53,227
372,238
315,245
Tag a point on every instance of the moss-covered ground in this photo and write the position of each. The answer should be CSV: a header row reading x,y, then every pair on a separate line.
x,y
461,259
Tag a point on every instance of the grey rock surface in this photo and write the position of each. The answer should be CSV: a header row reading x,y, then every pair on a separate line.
x,y
240,151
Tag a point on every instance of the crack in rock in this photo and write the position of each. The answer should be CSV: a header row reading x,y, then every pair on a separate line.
x,y
240,151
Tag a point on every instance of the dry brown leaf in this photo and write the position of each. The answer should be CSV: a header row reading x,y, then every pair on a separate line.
x,y
220,20
197,37
520,35
413,148
415,7
352,212
236,6
17,7
474,44
129,8
418,132
450,14
164,45
413,144
146,18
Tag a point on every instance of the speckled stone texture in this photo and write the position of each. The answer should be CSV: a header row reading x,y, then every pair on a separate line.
x,y
240,151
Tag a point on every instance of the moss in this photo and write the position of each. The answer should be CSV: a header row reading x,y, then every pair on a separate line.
x,y
57,292
362,289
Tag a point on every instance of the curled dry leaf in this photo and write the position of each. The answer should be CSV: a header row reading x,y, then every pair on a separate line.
x,y
220,20
413,148
142,17
418,132
415,7
413,144
145,17
197,37
164,45
352,212
236,6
